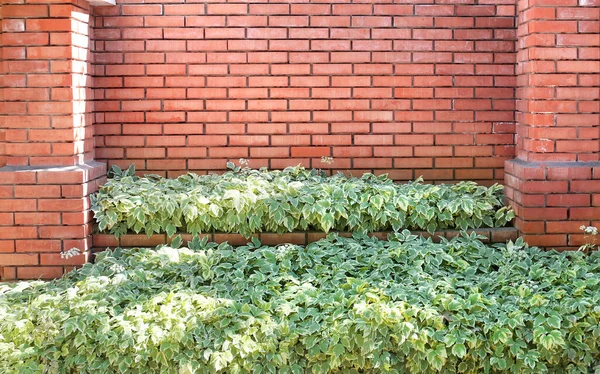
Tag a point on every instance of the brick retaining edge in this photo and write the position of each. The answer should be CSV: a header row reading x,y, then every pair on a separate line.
x,y
102,241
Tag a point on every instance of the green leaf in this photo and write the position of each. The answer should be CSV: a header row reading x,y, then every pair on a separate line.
x,y
171,229
177,242
459,350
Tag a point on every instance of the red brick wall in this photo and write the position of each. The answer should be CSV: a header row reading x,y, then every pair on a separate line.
x,y
47,170
558,81
410,89
554,184
44,211
46,107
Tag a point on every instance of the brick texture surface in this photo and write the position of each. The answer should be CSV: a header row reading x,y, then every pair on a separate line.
x,y
554,183
43,211
553,199
558,107
46,87
47,170
409,89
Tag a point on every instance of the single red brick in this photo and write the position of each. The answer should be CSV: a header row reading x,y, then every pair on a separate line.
x,y
546,240
373,139
105,240
354,151
37,218
310,128
286,140
332,140
579,213
166,164
269,152
568,200
584,186
76,218
548,214
504,234
64,232
183,9
352,9
249,116
434,10
204,21
17,205
38,245
532,227
310,151
7,246
372,163
162,21
56,259
39,272
143,10
19,259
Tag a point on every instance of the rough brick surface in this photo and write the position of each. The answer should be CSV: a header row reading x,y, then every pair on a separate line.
x,y
46,87
40,217
558,83
411,89
552,200
552,185
47,170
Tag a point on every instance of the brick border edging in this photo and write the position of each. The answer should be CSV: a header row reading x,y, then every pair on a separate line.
x,y
102,241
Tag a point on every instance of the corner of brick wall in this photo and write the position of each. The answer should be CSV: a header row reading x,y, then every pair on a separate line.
x,y
47,170
554,184
552,200
44,211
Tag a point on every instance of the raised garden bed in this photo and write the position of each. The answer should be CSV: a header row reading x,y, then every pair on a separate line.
x,y
246,201
338,305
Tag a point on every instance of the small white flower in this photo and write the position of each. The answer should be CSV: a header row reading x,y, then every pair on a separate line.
x,y
590,242
590,230
244,162
70,253
327,160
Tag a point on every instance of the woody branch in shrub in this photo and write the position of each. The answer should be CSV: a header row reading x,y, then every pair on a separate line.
x,y
249,201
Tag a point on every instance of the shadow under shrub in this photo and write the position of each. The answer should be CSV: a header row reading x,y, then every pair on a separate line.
x,y
351,305
248,201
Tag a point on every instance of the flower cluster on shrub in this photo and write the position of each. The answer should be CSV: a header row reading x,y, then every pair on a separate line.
x,y
352,305
248,201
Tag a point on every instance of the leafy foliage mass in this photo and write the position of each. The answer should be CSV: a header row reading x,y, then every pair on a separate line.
x,y
351,305
248,201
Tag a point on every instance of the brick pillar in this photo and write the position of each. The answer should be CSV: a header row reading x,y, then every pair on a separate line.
x,y
46,136
554,183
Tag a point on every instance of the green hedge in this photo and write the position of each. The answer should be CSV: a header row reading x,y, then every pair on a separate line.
x,y
351,305
248,201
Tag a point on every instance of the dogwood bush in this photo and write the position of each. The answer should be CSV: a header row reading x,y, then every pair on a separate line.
x,y
340,305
